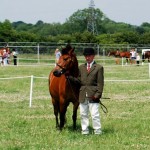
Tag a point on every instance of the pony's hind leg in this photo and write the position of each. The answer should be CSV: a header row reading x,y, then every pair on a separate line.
x,y
74,116
127,60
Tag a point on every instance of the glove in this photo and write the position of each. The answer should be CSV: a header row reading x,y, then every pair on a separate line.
x,y
94,100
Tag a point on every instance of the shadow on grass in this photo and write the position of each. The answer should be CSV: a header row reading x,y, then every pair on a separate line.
x,y
108,131
70,128
78,129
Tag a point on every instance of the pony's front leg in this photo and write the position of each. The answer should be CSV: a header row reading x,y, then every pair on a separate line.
x,y
56,110
62,120
63,110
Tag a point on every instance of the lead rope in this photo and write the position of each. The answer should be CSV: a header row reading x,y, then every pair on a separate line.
x,y
104,108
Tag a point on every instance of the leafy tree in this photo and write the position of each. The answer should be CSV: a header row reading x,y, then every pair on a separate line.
x,y
77,22
75,30
21,26
144,38
87,37
6,31
105,39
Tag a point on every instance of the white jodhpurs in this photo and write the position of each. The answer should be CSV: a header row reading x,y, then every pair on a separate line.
x,y
93,108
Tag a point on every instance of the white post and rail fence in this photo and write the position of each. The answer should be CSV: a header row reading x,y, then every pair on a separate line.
x,y
32,82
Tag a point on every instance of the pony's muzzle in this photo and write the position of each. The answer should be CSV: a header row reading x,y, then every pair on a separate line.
x,y
58,73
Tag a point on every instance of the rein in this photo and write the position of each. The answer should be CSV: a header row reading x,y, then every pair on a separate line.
x,y
104,108
60,66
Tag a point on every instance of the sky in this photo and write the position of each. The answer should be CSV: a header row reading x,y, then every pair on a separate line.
x,y
133,12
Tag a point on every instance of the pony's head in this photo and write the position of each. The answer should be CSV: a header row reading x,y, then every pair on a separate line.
x,y
67,63
5,49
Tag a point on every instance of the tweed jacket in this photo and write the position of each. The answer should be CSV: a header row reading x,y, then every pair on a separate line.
x,y
92,83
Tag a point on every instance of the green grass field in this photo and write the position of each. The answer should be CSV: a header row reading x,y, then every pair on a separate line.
x,y
125,127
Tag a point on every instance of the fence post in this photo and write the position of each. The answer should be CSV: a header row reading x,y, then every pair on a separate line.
x,y
122,61
98,49
38,52
31,91
103,56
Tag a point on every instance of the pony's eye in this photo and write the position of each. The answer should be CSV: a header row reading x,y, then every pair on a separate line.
x,y
65,59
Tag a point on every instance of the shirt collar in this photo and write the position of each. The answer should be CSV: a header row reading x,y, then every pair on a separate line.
x,y
91,63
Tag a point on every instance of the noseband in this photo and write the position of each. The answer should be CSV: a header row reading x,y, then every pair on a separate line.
x,y
60,66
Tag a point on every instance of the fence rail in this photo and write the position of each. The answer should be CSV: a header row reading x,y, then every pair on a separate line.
x,y
110,89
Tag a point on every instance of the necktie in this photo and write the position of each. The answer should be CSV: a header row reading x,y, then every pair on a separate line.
x,y
88,68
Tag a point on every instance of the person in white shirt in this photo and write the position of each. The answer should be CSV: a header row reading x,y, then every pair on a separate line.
x,y
137,59
14,53
133,56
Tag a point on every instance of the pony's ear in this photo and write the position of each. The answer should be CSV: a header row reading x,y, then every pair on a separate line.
x,y
68,47
71,51
64,51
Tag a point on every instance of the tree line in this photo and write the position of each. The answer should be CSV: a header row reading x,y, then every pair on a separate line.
x,y
74,30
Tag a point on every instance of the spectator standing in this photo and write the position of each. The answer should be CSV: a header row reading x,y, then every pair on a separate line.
x,y
14,53
8,58
133,56
57,55
137,59
5,57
